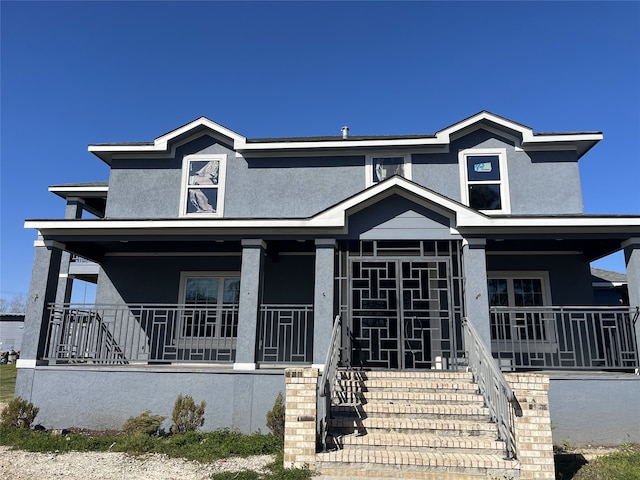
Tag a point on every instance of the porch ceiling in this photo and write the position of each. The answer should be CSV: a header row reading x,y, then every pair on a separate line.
x,y
589,247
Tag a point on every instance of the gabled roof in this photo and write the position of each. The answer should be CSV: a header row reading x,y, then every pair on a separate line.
x,y
523,136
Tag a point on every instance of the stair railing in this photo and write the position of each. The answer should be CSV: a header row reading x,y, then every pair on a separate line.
x,y
498,396
326,386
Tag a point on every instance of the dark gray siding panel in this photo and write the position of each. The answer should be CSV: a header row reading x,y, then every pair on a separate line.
x,y
396,218
153,279
569,275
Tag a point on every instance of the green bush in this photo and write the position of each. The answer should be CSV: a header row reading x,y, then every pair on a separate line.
x,y
275,417
145,423
187,416
18,414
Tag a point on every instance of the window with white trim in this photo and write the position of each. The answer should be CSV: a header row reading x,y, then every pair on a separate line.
x,y
381,167
203,180
483,174
211,302
518,289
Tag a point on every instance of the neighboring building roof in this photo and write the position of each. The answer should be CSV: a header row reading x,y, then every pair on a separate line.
x,y
11,317
600,277
523,137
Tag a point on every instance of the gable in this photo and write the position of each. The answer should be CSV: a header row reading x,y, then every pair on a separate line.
x,y
398,218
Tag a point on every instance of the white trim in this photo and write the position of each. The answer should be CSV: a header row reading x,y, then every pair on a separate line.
x,y
406,162
173,254
537,252
501,153
79,189
222,180
25,363
244,366
319,366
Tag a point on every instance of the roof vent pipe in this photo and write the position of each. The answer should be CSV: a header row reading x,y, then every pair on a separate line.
x,y
345,132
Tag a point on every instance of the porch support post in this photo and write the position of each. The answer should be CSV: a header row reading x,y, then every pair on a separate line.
x,y
323,308
476,298
63,294
42,291
250,275
632,260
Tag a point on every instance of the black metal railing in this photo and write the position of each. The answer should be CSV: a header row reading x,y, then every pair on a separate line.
x,y
564,337
327,383
498,396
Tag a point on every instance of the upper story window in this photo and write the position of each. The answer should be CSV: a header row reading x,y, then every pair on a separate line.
x,y
381,167
484,182
203,185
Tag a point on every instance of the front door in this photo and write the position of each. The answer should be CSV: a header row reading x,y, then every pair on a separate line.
x,y
400,313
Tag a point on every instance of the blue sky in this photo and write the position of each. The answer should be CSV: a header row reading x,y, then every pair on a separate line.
x,y
77,73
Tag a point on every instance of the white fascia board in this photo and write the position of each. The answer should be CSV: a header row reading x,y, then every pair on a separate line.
x,y
161,144
242,146
74,189
551,222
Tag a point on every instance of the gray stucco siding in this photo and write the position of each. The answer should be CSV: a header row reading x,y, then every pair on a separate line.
x,y
152,188
290,187
594,409
235,400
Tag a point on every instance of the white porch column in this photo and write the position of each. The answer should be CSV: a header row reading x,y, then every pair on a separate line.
x,y
323,309
250,276
476,298
632,260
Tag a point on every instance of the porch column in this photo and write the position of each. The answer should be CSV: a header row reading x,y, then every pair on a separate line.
x,y
42,291
63,294
476,298
632,260
250,275
323,308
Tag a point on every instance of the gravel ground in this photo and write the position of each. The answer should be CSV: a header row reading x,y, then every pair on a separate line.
x,y
19,465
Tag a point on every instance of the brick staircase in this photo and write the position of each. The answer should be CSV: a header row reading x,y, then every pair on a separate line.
x,y
417,425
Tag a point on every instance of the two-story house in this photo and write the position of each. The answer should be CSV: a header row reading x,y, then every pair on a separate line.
x,y
221,259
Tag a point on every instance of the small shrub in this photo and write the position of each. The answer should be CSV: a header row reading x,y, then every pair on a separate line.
x,y
18,414
187,416
275,417
145,423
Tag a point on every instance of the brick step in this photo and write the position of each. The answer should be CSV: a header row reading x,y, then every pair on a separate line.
x,y
348,425
440,398
401,409
393,441
420,375
384,463
406,385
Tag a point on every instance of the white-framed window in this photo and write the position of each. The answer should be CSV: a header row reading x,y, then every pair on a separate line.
x,y
514,290
203,179
381,167
210,302
484,180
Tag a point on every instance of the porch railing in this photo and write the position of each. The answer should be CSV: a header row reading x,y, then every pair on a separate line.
x,y
564,337
119,334
285,334
326,385
498,396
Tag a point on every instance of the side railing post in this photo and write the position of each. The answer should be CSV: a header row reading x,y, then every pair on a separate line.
x,y
326,385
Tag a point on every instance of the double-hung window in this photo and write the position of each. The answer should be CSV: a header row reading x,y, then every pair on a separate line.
x,y
381,167
484,184
203,185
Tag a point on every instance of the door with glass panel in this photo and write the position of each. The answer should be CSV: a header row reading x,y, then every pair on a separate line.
x,y
400,313
208,321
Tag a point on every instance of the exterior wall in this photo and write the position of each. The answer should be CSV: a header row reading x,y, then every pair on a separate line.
x,y
594,409
104,398
128,279
301,187
569,275
288,279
